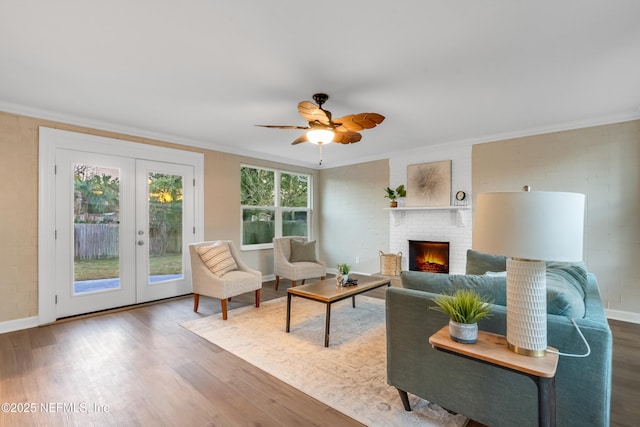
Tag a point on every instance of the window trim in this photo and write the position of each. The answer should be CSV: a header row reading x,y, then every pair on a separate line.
x,y
277,208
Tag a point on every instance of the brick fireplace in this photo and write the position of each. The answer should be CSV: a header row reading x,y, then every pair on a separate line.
x,y
432,225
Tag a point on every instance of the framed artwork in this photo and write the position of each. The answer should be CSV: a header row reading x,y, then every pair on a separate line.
x,y
429,184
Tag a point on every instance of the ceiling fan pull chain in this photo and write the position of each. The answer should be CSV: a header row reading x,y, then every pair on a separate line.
x,y
320,164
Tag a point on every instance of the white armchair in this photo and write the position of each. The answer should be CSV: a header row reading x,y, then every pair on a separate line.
x,y
218,272
302,265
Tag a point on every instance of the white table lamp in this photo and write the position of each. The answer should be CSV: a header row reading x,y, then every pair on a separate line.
x,y
530,228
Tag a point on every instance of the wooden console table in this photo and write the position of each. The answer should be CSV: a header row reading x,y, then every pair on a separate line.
x,y
492,349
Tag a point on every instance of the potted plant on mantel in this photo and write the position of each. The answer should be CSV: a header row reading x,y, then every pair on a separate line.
x,y
464,308
393,195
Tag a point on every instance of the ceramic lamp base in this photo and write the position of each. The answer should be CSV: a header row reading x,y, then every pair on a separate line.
x,y
527,307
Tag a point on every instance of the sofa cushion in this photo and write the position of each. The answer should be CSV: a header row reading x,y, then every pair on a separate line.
x,y
491,288
480,263
217,258
566,289
303,251
566,285
574,273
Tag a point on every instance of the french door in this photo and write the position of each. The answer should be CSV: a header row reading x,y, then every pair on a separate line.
x,y
123,226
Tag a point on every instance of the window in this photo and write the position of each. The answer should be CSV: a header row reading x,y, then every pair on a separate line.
x,y
265,216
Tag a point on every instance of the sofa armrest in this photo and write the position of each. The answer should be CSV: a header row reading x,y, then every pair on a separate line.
x,y
487,394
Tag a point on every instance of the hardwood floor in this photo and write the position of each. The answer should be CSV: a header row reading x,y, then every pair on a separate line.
x,y
625,390
143,368
139,367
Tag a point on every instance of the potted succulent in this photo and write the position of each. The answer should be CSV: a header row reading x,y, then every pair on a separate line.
x,y
393,195
343,271
464,308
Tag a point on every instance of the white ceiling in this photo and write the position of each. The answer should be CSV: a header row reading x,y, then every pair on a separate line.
x,y
204,72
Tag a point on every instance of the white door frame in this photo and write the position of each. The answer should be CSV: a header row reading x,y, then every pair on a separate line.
x,y
52,139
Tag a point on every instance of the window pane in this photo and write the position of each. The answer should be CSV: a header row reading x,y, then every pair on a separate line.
x,y
96,228
294,223
257,187
293,190
165,227
258,226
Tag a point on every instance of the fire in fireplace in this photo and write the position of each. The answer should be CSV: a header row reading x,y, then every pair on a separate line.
x,y
431,257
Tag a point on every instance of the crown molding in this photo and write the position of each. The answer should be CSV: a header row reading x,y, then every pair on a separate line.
x,y
165,137
71,119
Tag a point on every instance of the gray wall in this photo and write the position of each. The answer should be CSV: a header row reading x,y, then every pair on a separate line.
x,y
601,162
354,222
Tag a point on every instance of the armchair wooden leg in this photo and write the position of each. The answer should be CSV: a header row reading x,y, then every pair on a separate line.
x,y
257,297
323,277
196,300
223,302
277,282
293,283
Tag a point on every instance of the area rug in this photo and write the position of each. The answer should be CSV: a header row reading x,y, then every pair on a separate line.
x,y
349,375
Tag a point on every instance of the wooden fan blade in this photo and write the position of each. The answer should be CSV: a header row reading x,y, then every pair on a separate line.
x,y
283,127
312,113
358,122
302,138
347,137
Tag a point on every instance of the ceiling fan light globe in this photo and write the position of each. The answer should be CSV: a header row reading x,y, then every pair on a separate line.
x,y
320,136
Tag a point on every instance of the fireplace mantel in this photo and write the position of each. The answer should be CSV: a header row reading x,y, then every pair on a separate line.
x,y
427,208
398,214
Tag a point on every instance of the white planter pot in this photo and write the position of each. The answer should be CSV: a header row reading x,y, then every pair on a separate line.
x,y
345,279
463,332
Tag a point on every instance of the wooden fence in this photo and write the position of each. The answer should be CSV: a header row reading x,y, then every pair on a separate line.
x,y
96,241
99,241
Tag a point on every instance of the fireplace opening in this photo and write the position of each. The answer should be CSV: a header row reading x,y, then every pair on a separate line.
x,y
430,257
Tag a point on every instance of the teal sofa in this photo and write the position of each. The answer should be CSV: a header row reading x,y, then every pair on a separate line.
x,y
487,394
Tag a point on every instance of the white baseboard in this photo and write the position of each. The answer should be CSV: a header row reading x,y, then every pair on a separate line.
x,y
268,277
32,322
624,316
18,324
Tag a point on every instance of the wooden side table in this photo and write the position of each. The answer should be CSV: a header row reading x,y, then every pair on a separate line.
x,y
492,349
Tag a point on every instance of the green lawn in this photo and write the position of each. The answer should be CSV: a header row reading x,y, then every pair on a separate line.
x,y
109,268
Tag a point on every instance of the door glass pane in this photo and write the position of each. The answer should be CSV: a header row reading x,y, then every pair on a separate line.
x,y
96,206
165,227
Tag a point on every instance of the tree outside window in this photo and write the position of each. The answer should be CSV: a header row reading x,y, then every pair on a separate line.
x,y
265,216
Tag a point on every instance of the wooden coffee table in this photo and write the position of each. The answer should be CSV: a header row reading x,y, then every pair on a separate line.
x,y
326,291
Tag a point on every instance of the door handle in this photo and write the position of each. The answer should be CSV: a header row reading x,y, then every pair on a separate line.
x,y
140,242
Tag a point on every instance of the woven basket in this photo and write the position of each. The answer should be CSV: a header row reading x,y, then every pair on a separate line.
x,y
390,264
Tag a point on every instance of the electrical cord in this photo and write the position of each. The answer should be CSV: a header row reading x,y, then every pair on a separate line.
x,y
583,339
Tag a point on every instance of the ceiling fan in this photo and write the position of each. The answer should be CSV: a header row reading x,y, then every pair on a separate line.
x,y
323,129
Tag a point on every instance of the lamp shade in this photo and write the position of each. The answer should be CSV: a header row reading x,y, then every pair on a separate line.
x,y
535,225
320,136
